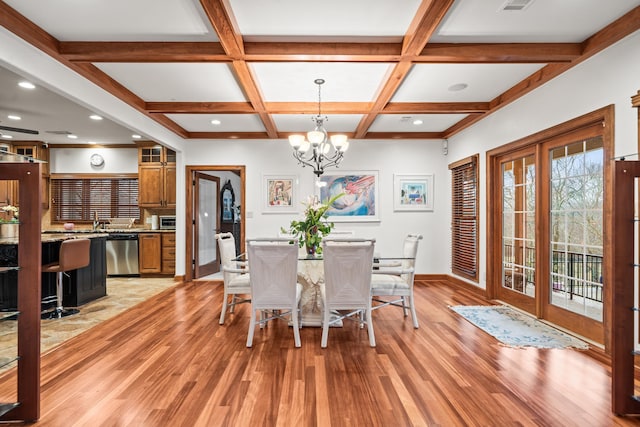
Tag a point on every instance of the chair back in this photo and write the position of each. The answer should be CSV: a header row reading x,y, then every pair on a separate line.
x,y
74,253
410,251
227,247
274,271
347,272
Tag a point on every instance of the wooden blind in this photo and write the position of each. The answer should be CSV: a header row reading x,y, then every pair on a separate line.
x,y
78,199
464,217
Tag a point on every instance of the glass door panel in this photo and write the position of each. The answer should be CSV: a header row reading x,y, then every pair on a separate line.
x,y
518,225
576,228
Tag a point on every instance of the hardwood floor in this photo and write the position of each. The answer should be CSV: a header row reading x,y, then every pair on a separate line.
x,y
167,362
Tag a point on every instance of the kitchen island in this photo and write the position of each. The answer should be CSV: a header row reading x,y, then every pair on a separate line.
x,y
81,286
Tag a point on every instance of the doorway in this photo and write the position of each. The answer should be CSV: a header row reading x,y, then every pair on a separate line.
x,y
201,248
548,198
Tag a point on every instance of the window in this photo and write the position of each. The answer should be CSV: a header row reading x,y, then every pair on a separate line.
x,y
78,199
464,217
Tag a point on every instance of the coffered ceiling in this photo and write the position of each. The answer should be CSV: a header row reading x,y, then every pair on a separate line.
x,y
422,69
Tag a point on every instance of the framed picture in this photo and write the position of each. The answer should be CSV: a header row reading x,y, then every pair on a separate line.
x,y
413,192
279,193
360,200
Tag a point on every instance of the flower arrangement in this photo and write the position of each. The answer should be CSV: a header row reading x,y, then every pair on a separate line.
x,y
314,226
13,210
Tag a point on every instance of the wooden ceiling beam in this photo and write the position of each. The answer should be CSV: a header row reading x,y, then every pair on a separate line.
x,y
200,107
500,52
252,92
312,107
219,14
325,52
313,52
143,51
391,84
435,107
405,135
427,18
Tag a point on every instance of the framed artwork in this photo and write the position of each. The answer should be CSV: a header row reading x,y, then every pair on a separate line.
x,y
360,200
413,192
279,193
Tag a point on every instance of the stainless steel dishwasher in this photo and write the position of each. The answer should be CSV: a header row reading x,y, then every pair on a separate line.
x,y
122,254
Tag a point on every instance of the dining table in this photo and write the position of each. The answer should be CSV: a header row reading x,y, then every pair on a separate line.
x,y
311,277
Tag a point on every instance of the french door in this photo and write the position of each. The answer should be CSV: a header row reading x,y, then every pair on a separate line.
x,y
547,228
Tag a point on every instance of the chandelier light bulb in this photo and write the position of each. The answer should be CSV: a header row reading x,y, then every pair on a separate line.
x,y
318,150
296,141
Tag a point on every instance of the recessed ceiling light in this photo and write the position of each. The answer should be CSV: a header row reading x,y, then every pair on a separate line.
x,y
14,117
135,136
458,87
72,136
215,122
27,85
91,142
7,136
417,122
95,117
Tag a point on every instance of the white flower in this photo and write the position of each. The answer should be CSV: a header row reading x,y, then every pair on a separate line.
x,y
9,208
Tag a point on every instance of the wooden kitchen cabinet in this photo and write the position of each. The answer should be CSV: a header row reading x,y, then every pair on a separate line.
x,y
37,150
157,253
156,177
168,253
150,253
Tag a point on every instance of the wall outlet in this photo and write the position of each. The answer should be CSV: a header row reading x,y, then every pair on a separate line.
x,y
148,220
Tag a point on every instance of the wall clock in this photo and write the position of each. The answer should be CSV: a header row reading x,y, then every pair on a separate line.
x,y
97,160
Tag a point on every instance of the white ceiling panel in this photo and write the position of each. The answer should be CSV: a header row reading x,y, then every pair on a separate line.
x,y
384,19
294,81
431,82
269,52
52,115
304,122
119,20
187,82
404,122
228,122
484,21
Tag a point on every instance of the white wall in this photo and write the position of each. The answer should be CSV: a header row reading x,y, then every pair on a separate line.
x,y
76,160
611,77
387,157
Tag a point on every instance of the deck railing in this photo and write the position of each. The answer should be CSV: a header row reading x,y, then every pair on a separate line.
x,y
574,273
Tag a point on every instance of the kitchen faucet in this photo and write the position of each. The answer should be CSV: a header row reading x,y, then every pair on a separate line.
x,y
96,221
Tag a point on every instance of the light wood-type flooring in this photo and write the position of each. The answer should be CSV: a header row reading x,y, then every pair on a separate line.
x,y
167,362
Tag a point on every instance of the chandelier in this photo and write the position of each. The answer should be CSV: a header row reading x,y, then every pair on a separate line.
x,y
318,150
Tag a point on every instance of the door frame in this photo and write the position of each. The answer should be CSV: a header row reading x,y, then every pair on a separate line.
x,y
189,226
603,116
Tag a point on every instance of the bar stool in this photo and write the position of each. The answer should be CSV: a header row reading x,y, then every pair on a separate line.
x,y
74,253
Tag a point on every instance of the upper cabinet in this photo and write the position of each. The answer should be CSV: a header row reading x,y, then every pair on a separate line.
x,y
156,177
9,192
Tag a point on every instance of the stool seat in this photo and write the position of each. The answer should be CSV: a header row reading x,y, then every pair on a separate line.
x,y
74,254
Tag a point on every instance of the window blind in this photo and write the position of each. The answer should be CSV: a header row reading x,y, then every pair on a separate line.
x,y
78,199
464,217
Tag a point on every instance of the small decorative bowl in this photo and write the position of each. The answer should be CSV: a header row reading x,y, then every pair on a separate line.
x,y
68,226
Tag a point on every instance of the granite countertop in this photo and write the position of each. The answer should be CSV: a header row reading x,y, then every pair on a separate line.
x,y
59,235
52,237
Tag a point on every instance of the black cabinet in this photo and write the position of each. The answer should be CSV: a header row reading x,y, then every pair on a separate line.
x,y
79,286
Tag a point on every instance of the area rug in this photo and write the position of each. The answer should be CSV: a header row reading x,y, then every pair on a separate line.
x,y
515,329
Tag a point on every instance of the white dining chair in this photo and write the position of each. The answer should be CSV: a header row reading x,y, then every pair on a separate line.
x,y
234,273
347,282
396,280
275,291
